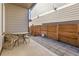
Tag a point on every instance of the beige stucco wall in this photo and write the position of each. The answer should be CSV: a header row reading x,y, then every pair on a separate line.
x,y
16,18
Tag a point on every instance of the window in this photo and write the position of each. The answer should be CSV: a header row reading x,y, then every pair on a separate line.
x,y
30,15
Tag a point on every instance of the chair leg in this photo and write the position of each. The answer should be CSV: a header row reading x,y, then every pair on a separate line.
x,y
27,40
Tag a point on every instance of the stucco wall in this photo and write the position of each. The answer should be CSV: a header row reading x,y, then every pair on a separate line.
x,y
16,18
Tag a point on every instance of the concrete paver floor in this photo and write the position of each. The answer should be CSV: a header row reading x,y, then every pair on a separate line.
x,y
33,49
57,47
41,46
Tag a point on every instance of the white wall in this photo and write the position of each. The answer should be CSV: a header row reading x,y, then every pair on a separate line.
x,y
40,8
16,18
66,14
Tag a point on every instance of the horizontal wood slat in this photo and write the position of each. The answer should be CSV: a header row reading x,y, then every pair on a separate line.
x,y
52,27
52,31
68,33
44,30
52,35
68,27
